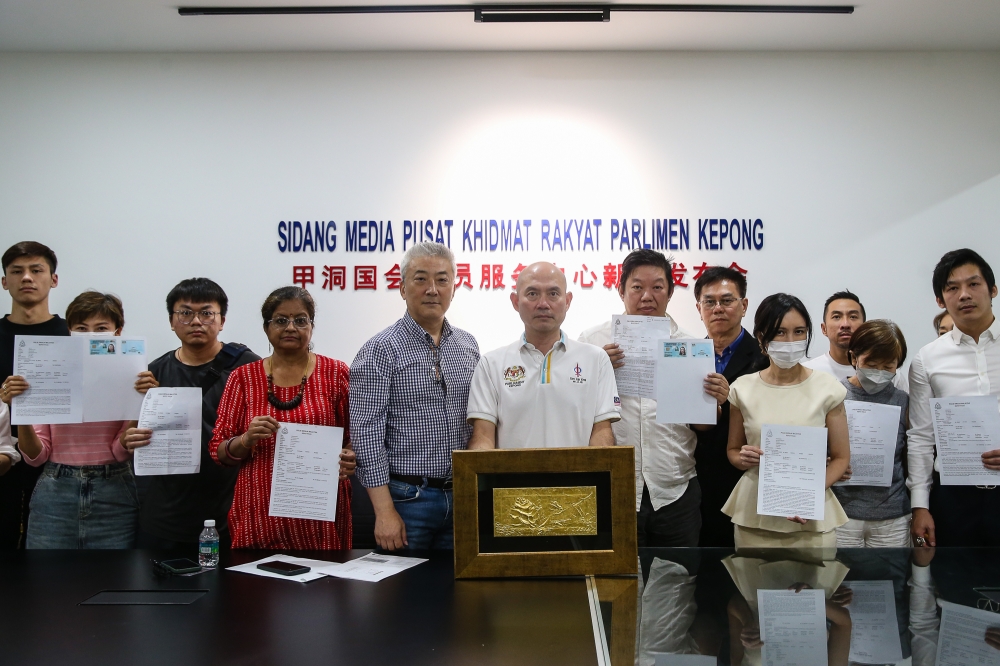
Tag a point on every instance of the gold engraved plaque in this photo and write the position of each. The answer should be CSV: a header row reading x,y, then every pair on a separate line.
x,y
565,511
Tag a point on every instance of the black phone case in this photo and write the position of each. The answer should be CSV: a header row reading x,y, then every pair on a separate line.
x,y
293,572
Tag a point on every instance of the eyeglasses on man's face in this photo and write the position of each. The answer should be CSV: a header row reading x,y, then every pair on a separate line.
x,y
726,302
186,317
297,322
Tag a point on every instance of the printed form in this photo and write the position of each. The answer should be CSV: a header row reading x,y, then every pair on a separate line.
x,y
792,472
306,473
174,416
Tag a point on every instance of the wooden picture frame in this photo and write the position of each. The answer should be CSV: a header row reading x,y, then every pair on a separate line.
x,y
619,559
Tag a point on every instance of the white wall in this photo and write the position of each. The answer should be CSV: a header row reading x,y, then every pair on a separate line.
x,y
141,170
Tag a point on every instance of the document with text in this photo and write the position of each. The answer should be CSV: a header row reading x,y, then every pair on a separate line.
x,y
111,367
792,472
306,473
53,368
174,416
792,627
874,630
637,336
965,428
962,638
681,369
873,429
373,567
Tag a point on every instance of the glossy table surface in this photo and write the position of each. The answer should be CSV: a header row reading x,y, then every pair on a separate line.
x,y
692,602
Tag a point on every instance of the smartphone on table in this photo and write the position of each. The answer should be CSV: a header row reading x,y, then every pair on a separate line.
x,y
283,568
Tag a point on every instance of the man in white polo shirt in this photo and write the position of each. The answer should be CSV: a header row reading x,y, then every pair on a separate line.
x,y
544,390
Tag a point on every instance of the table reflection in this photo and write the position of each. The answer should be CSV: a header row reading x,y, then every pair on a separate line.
x,y
701,607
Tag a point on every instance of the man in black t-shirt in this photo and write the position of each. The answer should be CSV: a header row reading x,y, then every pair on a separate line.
x,y
29,273
174,507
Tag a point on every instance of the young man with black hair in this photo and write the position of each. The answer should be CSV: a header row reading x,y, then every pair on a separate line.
x,y
843,313
964,361
29,274
720,296
175,506
668,495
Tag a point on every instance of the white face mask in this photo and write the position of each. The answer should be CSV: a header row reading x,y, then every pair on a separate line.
x,y
787,354
873,381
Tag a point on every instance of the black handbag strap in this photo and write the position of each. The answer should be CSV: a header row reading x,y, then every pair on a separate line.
x,y
225,359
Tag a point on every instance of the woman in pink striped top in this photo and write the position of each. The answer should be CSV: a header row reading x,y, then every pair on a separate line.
x,y
86,496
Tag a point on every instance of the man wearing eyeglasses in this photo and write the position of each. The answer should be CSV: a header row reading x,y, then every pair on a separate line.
x,y
667,492
409,389
720,295
175,506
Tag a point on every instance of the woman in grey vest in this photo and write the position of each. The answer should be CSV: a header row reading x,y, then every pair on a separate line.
x,y
879,514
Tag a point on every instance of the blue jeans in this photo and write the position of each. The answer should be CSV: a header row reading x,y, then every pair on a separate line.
x,y
93,506
427,514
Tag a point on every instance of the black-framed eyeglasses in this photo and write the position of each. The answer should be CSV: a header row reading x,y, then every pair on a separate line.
x,y
187,316
726,303
437,375
297,322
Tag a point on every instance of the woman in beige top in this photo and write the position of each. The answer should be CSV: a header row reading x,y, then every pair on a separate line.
x,y
784,393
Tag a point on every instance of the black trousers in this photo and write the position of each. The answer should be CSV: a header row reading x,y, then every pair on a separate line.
x,y
965,515
676,525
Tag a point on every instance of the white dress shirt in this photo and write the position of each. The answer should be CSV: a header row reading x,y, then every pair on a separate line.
x,y
951,366
664,452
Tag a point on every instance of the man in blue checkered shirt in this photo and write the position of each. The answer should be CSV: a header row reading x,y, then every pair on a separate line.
x,y
409,391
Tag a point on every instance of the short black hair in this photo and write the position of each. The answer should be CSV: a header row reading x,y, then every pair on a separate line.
x,y
29,249
644,257
283,295
198,290
772,311
846,295
948,263
718,274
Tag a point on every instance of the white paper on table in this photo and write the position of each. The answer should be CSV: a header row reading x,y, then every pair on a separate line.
x,y
373,567
671,659
874,630
111,366
637,335
314,565
792,627
962,639
792,478
873,430
681,368
174,416
306,473
53,368
965,428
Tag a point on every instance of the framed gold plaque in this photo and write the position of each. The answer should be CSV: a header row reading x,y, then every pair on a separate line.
x,y
544,512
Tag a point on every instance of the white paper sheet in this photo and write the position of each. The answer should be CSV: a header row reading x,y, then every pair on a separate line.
x,y
792,627
306,473
53,367
637,336
964,429
373,567
873,429
874,631
962,639
174,416
110,368
670,659
315,565
681,368
792,472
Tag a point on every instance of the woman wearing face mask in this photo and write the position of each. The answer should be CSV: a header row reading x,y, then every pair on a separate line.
x,y
784,393
86,496
879,517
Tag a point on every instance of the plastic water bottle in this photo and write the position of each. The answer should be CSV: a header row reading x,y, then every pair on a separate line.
x,y
208,545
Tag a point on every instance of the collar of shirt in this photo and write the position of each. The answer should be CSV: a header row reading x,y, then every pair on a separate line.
x,y
417,330
993,331
560,341
722,360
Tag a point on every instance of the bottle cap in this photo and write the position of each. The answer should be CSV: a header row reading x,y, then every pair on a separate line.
x,y
209,523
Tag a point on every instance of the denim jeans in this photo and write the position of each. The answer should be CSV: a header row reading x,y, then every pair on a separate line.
x,y
93,506
427,514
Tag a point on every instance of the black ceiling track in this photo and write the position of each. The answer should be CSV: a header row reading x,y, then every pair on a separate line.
x,y
550,11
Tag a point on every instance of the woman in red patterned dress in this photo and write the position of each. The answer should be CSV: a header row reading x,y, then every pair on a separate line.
x,y
293,385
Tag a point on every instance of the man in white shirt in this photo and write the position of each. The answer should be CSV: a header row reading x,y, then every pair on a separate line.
x,y
964,361
543,390
843,313
667,492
